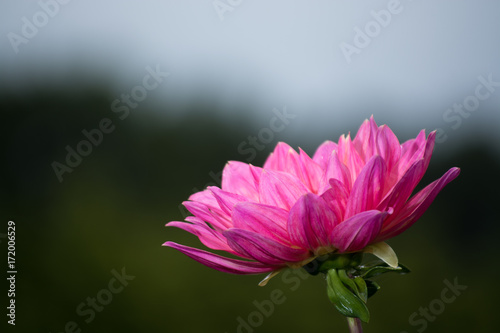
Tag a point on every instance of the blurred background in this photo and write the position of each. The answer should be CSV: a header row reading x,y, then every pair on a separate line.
x,y
114,112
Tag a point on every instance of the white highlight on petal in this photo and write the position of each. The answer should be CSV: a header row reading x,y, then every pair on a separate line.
x,y
383,251
269,277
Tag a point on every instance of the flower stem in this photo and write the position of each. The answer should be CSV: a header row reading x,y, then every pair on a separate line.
x,y
354,325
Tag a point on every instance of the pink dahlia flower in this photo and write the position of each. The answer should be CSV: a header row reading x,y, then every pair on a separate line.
x,y
349,197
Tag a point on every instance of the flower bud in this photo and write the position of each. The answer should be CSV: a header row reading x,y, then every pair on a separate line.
x,y
333,261
345,299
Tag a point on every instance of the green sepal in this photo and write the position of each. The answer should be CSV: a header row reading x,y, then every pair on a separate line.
x,y
356,285
336,262
333,261
347,281
362,288
381,268
345,300
372,287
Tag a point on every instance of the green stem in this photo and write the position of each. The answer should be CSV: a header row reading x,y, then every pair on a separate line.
x,y
354,325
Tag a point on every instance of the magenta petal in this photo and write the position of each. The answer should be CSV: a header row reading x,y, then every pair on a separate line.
x,y
275,160
402,190
311,221
335,170
280,189
217,219
207,202
365,140
411,151
355,233
256,172
417,205
263,249
349,156
206,197
336,198
220,263
400,193
388,147
237,178
226,200
209,237
283,158
322,154
368,188
429,147
311,172
266,220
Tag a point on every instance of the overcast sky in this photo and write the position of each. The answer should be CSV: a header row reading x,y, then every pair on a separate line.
x,y
403,60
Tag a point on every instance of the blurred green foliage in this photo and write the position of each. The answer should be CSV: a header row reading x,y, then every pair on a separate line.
x,y
110,212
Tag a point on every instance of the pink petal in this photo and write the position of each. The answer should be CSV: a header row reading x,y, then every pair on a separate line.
x,y
336,198
266,220
218,220
365,140
349,156
367,190
263,249
322,154
207,236
335,169
411,151
220,263
388,147
280,189
226,200
256,173
206,203
238,178
357,232
283,158
310,222
206,197
311,172
429,147
400,193
417,205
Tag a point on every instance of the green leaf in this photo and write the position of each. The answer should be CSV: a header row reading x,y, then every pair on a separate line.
x,y
346,280
383,251
324,263
356,285
370,272
344,299
372,287
362,288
